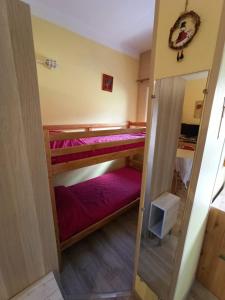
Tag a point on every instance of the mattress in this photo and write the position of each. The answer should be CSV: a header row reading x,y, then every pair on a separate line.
x,y
83,204
91,141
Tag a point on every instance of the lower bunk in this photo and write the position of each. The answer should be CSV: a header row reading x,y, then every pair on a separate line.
x,y
87,206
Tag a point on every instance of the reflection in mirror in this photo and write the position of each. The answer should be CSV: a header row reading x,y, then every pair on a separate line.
x,y
163,216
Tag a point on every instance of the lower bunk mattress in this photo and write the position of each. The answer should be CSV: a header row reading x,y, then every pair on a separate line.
x,y
83,204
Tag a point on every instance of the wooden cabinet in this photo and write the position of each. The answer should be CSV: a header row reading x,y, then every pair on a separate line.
x,y
211,269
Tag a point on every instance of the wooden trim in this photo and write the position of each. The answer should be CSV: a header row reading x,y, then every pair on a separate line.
x,y
140,124
142,80
147,165
80,163
52,193
134,163
79,236
82,148
84,126
47,150
88,127
81,134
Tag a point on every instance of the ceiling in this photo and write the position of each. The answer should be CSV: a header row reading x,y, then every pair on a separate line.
x,y
124,25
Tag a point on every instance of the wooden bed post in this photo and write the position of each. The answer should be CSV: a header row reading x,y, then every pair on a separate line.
x,y
128,161
52,193
128,157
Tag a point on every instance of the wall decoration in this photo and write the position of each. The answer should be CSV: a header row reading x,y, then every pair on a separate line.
x,y
198,109
107,83
183,31
49,63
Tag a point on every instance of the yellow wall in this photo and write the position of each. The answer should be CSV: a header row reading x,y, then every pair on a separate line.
x,y
199,55
72,93
193,92
143,87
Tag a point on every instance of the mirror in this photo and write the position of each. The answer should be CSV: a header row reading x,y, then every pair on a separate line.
x,y
179,111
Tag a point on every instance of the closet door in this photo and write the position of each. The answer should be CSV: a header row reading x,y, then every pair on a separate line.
x,y
205,170
211,269
27,247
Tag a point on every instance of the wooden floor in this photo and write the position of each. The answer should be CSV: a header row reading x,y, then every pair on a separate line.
x,y
156,263
199,292
103,262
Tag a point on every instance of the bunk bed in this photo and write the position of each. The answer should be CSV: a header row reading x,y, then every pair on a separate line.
x,y
81,209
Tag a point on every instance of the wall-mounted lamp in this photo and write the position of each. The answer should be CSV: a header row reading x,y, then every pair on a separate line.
x,y
48,62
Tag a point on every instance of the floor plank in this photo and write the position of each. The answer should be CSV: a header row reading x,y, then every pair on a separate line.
x,y
156,262
199,292
104,261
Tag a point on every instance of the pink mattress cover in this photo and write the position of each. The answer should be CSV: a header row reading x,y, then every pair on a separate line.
x,y
94,140
83,204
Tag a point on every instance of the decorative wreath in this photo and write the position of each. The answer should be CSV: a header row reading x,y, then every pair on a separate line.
x,y
184,30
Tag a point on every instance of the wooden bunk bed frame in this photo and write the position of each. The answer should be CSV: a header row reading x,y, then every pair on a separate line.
x,y
89,130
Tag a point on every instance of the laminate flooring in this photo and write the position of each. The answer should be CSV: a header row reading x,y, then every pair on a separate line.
x,y
156,263
199,292
103,262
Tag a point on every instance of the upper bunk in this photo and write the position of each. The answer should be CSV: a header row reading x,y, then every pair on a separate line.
x,y
75,146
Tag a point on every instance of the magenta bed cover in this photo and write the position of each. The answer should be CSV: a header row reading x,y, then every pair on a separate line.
x,y
94,140
83,204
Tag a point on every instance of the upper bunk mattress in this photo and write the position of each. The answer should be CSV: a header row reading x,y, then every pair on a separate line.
x,y
83,204
91,141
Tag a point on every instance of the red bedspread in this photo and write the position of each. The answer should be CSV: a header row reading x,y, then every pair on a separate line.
x,y
85,203
94,140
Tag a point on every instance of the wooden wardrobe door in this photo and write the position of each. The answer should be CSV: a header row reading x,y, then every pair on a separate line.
x,y
27,247
211,269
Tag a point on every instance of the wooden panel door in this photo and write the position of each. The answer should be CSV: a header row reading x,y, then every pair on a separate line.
x,y
28,246
211,269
